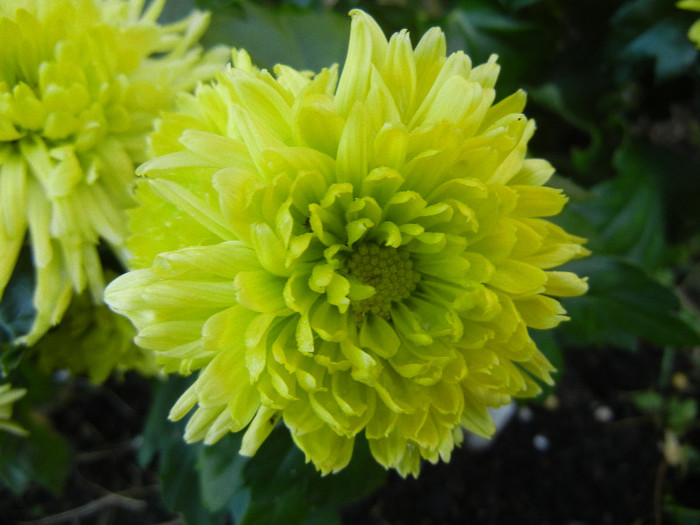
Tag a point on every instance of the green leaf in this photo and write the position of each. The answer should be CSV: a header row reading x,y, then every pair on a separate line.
x,y
17,312
665,42
286,489
547,344
177,472
650,401
301,39
675,176
43,456
221,471
623,305
276,486
556,99
174,11
681,515
653,30
681,414
632,214
624,218
515,5
481,28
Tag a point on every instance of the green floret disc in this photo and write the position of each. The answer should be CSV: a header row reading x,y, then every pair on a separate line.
x,y
388,270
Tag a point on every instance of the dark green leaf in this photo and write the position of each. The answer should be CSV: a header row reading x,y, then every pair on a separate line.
x,y
681,414
17,311
623,305
221,472
275,486
547,344
289,506
159,432
518,4
625,218
675,176
552,97
286,489
665,43
481,28
653,30
682,515
162,439
44,456
650,401
631,215
174,11
304,40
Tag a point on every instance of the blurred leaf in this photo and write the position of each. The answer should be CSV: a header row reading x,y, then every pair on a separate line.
x,y
162,440
547,344
675,176
179,9
276,486
301,39
653,30
631,215
94,341
681,515
551,97
285,489
650,401
622,305
17,311
664,42
479,21
481,28
43,456
681,414
624,219
518,4
221,471
304,4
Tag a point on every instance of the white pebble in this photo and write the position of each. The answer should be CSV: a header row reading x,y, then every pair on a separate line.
x,y
525,414
540,442
603,414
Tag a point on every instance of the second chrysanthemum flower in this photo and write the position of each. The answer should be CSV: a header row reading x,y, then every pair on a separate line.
x,y
81,84
361,253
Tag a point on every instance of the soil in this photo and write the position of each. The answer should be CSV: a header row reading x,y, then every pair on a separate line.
x,y
585,456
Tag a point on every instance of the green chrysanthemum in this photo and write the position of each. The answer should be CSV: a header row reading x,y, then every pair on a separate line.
x,y
354,254
694,31
8,396
81,83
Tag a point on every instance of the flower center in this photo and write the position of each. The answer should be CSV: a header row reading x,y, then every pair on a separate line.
x,y
389,270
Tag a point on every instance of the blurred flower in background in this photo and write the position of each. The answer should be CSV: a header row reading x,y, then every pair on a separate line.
x,y
81,82
353,253
8,396
94,342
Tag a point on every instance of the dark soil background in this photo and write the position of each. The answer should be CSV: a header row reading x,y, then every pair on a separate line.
x,y
584,456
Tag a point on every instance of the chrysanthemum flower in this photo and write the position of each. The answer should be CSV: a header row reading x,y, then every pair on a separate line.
x,y
694,31
362,253
81,83
8,396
